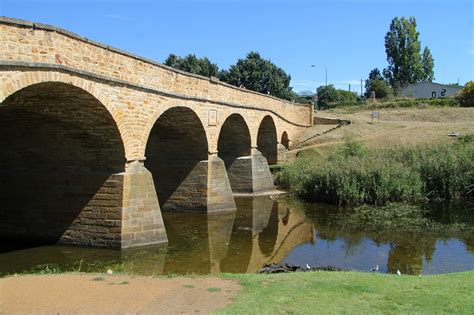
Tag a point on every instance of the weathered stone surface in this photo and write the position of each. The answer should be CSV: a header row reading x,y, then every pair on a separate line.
x,y
74,112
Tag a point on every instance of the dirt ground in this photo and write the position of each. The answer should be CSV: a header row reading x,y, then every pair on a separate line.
x,y
113,294
397,126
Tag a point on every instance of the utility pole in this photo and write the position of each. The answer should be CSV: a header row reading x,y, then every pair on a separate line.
x,y
326,71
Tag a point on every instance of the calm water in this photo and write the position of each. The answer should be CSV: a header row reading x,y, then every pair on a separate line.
x,y
263,231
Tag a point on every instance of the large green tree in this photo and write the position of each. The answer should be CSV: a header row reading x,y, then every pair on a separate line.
x,y
258,74
193,64
402,46
428,65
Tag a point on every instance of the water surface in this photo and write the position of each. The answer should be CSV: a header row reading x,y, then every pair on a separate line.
x,y
262,231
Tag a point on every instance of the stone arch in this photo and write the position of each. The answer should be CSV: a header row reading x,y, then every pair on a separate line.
x,y
233,146
284,140
176,154
162,108
60,164
234,139
30,78
267,140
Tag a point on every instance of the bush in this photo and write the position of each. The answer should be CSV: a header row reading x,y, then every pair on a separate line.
x,y
354,176
466,96
380,88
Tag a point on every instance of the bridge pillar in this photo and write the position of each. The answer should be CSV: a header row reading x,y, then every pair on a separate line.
x,y
205,189
250,174
281,153
142,222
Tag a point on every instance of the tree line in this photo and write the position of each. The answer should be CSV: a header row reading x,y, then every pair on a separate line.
x,y
406,65
252,72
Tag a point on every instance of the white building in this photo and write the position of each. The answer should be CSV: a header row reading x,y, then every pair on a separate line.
x,y
430,90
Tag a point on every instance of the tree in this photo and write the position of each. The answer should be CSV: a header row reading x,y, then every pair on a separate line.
x,y
193,64
466,96
326,96
260,75
403,54
374,74
346,97
380,88
428,65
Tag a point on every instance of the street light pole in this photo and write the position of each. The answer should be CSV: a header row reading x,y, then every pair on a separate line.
x,y
326,70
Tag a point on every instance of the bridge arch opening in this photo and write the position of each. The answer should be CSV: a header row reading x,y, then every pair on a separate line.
x,y
234,139
234,147
59,168
176,155
284,140
267,140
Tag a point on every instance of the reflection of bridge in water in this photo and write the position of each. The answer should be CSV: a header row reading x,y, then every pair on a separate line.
x,y
261,231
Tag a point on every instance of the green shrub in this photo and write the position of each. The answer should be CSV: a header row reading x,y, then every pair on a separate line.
x,y
466,96
354,175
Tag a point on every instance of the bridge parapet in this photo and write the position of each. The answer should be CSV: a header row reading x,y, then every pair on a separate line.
x,y
41,45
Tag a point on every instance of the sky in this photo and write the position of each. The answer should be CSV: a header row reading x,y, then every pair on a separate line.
x,y
346,37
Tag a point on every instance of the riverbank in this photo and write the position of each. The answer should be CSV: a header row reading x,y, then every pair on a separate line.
x,y
353,174
394,127
295,293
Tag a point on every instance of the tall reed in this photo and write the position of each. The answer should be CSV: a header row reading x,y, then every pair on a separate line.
x,y
354,175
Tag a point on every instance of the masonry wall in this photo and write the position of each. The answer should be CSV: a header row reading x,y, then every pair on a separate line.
x,y
89,109
20,41
59,162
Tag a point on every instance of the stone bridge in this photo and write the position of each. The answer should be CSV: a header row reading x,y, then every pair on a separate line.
x,y
96,141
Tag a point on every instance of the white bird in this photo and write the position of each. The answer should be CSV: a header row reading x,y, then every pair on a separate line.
x,y
308,267
398,272
376,268
109,272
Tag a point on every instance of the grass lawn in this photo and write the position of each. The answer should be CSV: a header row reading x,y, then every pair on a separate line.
x,y
353,292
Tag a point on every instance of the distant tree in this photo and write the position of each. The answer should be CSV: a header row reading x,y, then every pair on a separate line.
x,y
403,54
193,64
381,89
260,75
326,96
466,96
374,74
428,65
346,97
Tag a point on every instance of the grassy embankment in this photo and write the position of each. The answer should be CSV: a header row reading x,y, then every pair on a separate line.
x,y
352,292
401,103
353,175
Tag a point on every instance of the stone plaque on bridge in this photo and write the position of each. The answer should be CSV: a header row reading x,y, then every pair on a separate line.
x,y
212,117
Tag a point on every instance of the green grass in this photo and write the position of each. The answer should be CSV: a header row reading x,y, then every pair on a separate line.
x,y
354,175
352,293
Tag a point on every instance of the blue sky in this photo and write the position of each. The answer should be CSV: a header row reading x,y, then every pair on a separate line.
x,y
345,36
